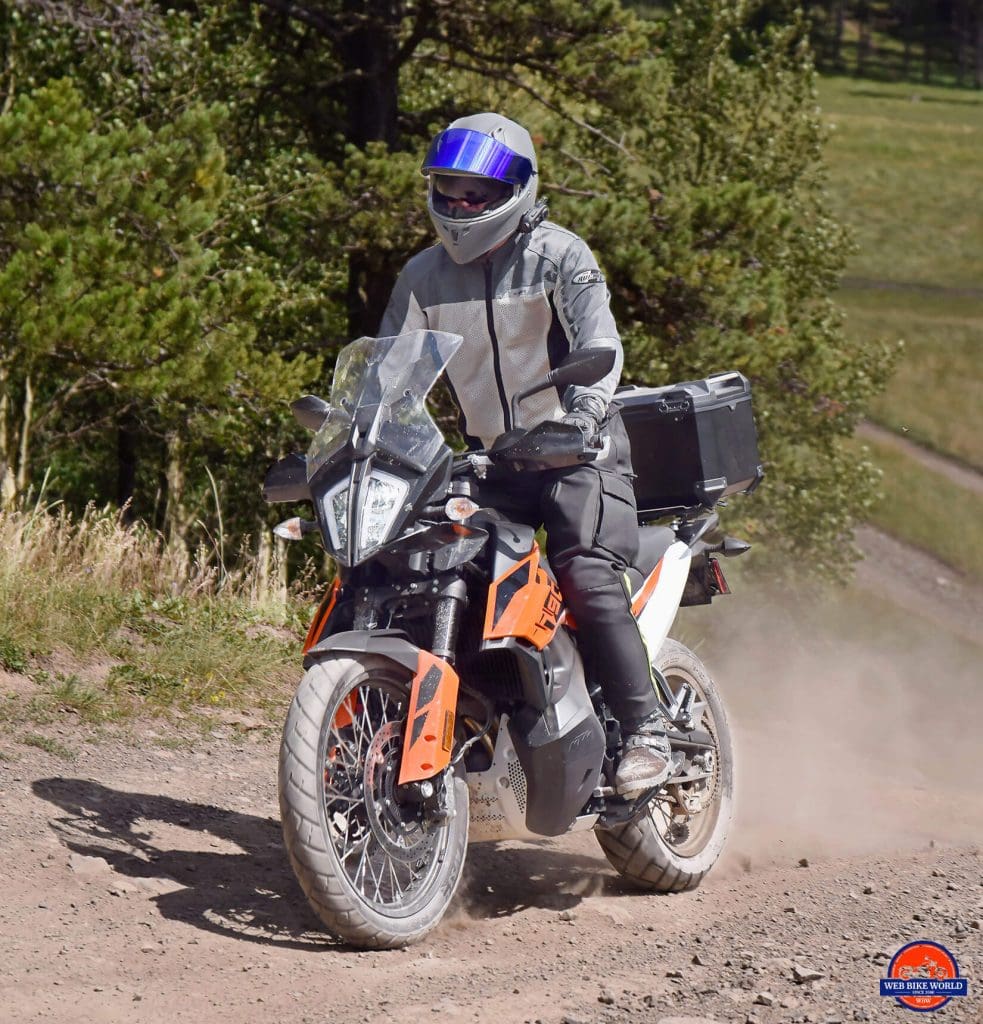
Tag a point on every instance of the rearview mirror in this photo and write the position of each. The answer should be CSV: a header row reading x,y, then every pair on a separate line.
x,y
310,411
582,368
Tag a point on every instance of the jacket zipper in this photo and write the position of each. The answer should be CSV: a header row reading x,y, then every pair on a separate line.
x,y
496,355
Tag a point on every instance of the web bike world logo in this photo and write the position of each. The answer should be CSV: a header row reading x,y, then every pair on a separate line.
x,y
923,976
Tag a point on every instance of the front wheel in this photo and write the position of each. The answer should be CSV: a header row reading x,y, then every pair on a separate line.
x,y
682,832
378,867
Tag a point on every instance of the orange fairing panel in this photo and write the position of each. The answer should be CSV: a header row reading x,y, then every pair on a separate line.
x,y
641,599
322,615
525,603
430,723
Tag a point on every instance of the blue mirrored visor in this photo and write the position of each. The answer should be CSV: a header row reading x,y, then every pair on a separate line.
x,y
463,151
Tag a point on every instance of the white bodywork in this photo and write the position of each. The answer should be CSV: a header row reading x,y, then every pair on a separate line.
x,y
657,616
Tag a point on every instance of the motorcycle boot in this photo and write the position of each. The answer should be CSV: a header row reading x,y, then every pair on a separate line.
x,y
647,759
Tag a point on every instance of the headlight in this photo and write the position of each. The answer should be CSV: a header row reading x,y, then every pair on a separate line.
x,y
381,497
335,508
381,500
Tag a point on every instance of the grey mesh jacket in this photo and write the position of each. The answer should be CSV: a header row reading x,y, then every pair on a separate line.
x,y
520,311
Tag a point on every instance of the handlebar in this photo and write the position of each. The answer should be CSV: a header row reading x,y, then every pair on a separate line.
x,y
548,445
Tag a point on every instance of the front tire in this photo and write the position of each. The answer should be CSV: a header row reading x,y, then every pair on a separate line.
x,y
378,871
657,851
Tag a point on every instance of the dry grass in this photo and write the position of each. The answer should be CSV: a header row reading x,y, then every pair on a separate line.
x,y
133,625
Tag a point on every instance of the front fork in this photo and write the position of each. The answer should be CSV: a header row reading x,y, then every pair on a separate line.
x,y
447,593
428,736
452,599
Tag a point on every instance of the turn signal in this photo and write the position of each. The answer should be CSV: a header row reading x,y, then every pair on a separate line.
x,y
294,529
459,509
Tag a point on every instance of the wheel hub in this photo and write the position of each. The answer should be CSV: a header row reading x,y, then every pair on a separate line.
x,y
397,826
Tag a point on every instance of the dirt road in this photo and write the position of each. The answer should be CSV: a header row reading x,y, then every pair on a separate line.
x,y
147,884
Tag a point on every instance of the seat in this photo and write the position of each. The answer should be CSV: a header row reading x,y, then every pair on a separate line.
x,y
653,542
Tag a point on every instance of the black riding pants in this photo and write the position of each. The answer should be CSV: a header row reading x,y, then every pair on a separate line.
x,y
589,516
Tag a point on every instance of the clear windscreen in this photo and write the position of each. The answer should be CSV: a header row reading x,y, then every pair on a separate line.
x,y
386,381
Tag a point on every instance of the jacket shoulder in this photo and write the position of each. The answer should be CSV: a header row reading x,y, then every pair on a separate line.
x,y
553,242
424,263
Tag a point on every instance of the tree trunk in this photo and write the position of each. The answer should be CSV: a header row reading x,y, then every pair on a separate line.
x,y
7,487
863,39
927,48
978,62
264,560
126,466
960,39
370,52
271,568
837,40
177,521
906,27
27,415
15,442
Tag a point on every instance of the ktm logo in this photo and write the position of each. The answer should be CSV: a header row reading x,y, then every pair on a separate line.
x,y
552,605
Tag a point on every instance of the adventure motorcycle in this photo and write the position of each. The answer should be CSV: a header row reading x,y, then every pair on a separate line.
x,y
927,969
444,700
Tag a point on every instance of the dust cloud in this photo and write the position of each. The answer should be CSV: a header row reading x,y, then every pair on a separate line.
x,y
857,727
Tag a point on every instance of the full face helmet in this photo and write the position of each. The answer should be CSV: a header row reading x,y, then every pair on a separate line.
x,y
482,181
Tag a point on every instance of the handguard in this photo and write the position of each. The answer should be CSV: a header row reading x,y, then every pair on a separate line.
x,y
548,445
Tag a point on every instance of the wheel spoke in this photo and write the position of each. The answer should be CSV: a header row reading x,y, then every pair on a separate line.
x,y
358,727
376,879
333,795
393,884
360,870
358,847
344,754
380,844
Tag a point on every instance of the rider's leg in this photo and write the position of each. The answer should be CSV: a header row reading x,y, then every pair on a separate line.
x,y
592,538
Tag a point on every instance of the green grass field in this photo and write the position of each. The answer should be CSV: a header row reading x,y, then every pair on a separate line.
x,y
935,395
142,631
906,166
906,175
929,511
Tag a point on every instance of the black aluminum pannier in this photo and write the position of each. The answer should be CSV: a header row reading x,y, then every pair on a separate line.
x,y
691,443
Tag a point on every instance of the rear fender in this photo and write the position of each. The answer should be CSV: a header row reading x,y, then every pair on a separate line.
x,y
433,696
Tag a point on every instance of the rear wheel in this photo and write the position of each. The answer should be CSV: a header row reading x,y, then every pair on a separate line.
x,y
682,832
378,868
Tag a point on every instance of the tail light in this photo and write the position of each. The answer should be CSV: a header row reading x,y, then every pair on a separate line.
x,y
716,577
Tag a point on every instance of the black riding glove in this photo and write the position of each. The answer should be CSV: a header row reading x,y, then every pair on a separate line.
x,y
588,425
586,412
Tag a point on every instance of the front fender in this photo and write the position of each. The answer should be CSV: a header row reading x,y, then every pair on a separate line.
x,y
389,643
429,737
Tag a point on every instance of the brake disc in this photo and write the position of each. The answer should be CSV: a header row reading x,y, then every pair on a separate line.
x,y
397,826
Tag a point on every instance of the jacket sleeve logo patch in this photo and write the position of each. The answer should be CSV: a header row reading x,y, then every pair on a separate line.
x,y
588,277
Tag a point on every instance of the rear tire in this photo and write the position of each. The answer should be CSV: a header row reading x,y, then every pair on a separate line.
x,y
377,873
648,851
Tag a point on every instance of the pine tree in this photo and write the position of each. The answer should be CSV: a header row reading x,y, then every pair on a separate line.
x,y
687,149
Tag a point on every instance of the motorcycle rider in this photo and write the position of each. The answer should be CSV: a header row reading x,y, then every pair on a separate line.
x,y
523,292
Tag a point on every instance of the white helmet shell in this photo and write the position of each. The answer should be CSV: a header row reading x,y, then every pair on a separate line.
x,y
486,146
